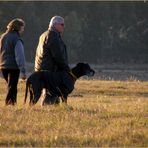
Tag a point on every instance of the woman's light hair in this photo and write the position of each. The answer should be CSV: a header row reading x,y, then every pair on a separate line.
x,y
56,20
15,24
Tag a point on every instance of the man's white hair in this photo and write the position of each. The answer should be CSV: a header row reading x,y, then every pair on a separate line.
x,y
56,20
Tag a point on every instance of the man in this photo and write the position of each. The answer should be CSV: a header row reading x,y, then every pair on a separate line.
x,y
51,53
12,59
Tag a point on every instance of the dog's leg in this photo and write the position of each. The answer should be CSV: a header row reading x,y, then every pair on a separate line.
x,y
26,92
50,100
64,99
31,96
36,98
35,92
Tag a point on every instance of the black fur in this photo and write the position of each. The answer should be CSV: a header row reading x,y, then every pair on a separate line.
x,y
57,83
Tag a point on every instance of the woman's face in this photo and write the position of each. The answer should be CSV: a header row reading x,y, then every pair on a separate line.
x,y
21,30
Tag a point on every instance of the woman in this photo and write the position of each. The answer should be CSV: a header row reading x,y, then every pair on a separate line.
x,y
12,59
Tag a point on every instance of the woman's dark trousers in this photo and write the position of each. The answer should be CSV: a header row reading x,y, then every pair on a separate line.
x,y
11,77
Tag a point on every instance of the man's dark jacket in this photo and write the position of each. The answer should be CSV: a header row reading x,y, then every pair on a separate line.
x,y
51,52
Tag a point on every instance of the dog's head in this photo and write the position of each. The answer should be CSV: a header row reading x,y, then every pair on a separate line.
x,y
82,69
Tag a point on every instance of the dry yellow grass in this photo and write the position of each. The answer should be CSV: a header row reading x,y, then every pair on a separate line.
x,y
99,113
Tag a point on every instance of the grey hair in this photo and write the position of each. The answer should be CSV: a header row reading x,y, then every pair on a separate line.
x,y
56,20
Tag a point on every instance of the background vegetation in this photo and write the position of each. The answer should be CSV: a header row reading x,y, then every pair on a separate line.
x,y
96,32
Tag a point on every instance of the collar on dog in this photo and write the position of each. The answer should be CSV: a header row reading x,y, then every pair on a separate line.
x,y
73,75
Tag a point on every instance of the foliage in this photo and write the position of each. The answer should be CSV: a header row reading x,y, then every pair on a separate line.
x,y
98,32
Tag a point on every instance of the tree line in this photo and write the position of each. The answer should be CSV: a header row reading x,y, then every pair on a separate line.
x,y
95,32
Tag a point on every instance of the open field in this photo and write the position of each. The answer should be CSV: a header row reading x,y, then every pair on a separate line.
x,y
99,113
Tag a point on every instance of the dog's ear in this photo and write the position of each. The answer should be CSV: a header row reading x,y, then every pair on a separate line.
x,y
80,64
83,65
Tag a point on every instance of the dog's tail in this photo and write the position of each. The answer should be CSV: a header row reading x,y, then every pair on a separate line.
x,y
26,92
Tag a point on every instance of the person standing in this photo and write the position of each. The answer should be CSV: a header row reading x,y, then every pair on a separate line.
x,y
51,53
12,59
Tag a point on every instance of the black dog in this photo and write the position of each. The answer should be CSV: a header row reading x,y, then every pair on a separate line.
x,y
57,83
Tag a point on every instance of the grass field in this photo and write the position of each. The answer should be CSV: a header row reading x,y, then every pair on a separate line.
x,y
99,113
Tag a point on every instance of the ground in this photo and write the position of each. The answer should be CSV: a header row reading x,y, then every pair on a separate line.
x,y
99,113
